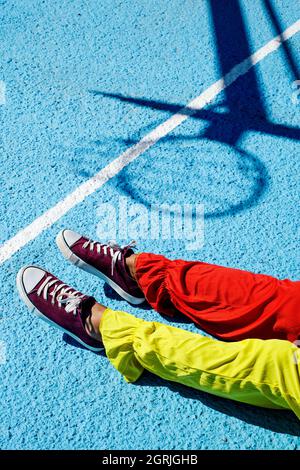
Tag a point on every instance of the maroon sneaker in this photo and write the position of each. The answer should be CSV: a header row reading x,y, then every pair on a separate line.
x,y
57,303
106,261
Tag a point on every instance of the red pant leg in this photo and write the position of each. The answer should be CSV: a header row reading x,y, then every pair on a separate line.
x,y
228,303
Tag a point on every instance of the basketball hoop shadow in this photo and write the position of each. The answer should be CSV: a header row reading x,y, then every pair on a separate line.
x,y
245,111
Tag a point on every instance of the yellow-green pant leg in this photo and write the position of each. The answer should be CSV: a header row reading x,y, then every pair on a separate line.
x,y
262,373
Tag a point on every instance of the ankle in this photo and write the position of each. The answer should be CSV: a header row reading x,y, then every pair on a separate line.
x,y
92,323
130,264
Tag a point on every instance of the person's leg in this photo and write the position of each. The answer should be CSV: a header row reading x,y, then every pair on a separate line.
x,y
229,303
263,373
131,265
257,372
92,321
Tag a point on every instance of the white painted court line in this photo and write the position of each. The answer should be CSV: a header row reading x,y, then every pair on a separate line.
x,y
2,93
48,218
3,353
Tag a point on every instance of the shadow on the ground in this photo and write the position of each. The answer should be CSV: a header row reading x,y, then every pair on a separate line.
x,y
113,295
279,421
245,111
244,104
72,342
275,420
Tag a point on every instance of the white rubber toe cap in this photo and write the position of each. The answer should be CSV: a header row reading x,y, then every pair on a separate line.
x,y
70,237
31,276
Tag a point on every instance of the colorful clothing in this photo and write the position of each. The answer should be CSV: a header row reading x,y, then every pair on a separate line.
x,y
253,371
228,303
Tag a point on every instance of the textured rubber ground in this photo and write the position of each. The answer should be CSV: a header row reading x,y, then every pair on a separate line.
x,y
239,157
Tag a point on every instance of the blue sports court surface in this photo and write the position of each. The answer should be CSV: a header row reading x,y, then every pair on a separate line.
x,y
91,103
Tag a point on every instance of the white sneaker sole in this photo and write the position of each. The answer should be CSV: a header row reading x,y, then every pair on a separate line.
x,y
74,259
33,309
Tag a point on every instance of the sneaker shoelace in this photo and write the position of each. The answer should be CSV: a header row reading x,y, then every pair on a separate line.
x,y
62,293
111,247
